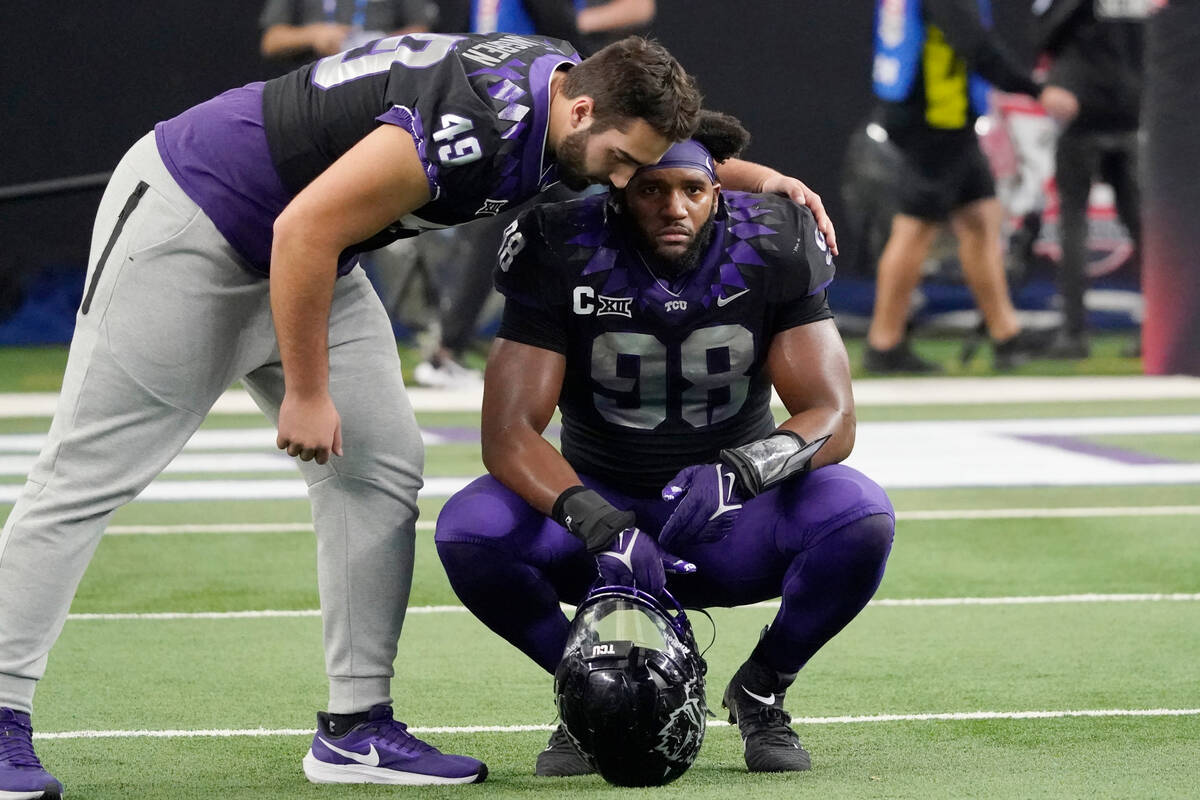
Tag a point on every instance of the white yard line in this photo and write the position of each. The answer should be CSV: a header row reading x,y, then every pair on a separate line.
x,y
230,442
867,392
265,614
1034,600
915,602
898,455
948,716
1050,513
929,515
233,527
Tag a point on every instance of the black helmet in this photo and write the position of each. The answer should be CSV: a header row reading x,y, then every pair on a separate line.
x,y
630,687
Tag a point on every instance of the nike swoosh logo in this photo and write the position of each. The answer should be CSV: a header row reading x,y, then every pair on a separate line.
x,y
623,554
766,700
724,301
725,495
370,758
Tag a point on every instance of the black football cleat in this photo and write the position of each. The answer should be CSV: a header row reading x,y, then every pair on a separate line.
x,y
1025,346
561,759
898,360
754,699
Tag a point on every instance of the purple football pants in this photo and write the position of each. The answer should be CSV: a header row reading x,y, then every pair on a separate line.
x,y
819,543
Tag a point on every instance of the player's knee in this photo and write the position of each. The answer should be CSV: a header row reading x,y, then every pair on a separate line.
x,y
870,538
474,516
458,558
474,555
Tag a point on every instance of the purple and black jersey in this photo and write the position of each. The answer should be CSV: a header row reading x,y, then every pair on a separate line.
x,y
661,374
476,106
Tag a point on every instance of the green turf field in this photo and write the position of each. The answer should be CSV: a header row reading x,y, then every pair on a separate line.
x,y
1022,645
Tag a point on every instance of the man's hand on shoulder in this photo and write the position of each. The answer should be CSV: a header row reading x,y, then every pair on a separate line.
x,y
707,502
799,192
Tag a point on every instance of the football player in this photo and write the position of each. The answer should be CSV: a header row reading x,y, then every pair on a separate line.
x,y
657,318
224,249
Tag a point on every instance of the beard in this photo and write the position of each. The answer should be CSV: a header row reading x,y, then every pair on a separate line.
x,y
570,157
672,267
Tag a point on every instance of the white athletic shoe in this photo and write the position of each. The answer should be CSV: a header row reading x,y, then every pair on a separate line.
x,y
447,374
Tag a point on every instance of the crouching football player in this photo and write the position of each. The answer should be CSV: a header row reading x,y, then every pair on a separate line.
x,y
657,318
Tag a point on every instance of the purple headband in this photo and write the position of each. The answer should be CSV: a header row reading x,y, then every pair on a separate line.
x,y
689,154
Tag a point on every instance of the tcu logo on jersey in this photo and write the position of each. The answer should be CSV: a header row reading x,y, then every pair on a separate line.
x,y
586,301
676,305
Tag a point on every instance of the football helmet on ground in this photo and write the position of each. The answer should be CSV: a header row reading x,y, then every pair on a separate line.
x,y
630,687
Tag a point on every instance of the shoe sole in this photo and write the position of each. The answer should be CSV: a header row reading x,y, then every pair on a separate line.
x,y
804,766
318,771
36,794
537,774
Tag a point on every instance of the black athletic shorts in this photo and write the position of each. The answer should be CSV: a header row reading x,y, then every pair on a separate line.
x,y
943,171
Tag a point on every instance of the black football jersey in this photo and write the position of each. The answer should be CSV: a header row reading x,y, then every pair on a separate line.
x,y
476,106
660,374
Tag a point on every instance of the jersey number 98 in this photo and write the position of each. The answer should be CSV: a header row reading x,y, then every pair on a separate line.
x,y
712,363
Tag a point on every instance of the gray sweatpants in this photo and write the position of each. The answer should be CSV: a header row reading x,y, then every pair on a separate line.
x,y
170,319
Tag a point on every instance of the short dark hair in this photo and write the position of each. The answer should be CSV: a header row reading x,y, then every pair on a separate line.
x,y
721,134
637,78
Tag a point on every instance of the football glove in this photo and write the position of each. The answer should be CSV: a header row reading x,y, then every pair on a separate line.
x,y
635,559
707,501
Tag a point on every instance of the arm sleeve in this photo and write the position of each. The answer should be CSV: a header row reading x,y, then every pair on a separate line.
x,y
532,326
554,18
804,277
979,47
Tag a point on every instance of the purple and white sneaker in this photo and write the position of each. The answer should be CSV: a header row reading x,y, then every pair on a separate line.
x,y
381,750
22,776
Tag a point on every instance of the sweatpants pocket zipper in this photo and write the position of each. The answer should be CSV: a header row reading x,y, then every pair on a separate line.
x,y
130,205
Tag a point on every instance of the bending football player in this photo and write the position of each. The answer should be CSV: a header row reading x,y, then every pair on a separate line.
x,y
657,318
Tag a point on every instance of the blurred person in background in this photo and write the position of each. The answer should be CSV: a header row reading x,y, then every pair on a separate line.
x,y
553,18
298,31
451,16
933,62
602,22
1094,90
